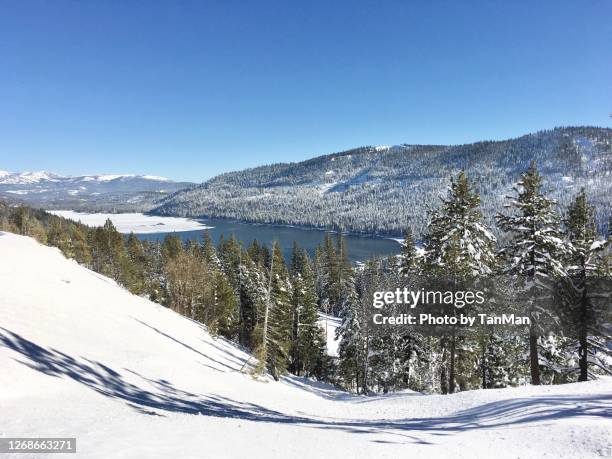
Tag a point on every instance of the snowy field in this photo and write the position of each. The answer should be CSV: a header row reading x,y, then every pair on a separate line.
x,y
81,357
134,222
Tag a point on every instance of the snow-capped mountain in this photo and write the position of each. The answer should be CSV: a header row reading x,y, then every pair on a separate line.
x,y
384,189
91,192
26,178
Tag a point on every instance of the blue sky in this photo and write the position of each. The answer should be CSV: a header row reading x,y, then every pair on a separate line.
x,y
189,89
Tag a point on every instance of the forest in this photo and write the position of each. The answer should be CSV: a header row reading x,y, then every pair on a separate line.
x,y
251,295
383,190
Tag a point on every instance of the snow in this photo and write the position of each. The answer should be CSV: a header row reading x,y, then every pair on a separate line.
x,y
22,178
329,324
108,178
155,177
134,222
82,357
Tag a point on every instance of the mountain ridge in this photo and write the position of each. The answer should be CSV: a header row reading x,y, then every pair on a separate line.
x,y
95,192
381,190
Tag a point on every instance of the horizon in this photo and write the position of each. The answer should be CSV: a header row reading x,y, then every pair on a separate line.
x,y
152,176
191,90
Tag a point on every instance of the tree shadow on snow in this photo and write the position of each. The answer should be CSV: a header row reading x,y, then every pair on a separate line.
x,y
156,397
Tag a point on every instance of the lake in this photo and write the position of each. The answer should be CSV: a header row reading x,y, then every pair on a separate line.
x,y
360,248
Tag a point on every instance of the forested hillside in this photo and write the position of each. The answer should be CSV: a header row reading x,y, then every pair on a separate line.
x,y
384,189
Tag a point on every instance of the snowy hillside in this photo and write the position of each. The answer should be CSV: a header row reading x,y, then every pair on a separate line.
x,y
81,357
381,189
95,192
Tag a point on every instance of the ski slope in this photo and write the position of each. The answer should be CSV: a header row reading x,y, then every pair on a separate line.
x,y
81,357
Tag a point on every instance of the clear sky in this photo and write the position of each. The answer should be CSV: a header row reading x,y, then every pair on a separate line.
x,y
189,89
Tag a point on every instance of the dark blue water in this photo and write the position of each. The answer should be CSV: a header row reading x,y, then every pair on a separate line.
x,y
360,248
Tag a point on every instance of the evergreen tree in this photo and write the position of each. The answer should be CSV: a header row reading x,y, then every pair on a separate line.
x,y
308,356
58,236
252,292
585,253
226,306
535,251
80,247
156,280
408,254
209,251
460,246
274,346
355,331
135,265
171,247
108,251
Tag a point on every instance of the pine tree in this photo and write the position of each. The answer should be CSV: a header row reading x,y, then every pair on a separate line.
x,y
457,241
408,254
252,293
209,251
355,331
171,247
535,252
156,280
108,251
80,247
274,348
230,255
585,253
308,356
58,236
226,306
135,265
460,246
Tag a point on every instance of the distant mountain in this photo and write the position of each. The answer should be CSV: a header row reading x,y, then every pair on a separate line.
x,y
121,192
384,189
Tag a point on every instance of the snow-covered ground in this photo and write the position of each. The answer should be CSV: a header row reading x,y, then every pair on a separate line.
x,y
82,357
134,222
329,324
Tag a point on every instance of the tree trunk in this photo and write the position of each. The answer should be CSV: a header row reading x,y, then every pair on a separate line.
x,y
484,367
451,375
533,359
443,378
584,354
584,351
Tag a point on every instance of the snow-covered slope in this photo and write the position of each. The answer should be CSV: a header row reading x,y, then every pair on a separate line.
x,y
82,357
381,189
114,192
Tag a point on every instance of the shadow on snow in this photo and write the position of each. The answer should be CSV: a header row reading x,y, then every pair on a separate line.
x,y
156,397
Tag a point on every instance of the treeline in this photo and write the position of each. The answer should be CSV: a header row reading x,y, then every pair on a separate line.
x,y
269,305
